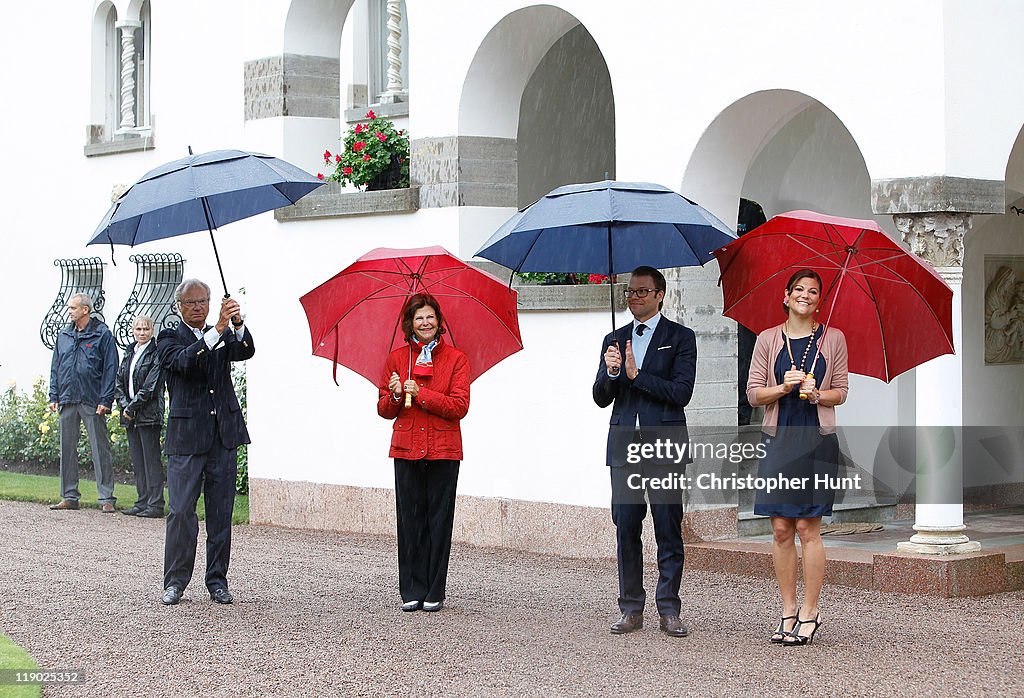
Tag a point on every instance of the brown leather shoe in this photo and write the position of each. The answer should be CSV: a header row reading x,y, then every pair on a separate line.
x,y
65,504
673,627
628,623
107,508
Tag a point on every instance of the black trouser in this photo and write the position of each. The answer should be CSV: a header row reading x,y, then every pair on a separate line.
x,y
425,503
628,511
214,472
144,448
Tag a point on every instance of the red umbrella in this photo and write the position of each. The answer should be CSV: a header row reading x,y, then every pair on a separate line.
x,y
354,316
895,311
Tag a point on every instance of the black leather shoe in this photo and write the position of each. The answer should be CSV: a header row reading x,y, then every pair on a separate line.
x,y
172,595
628,623
135,509
673,627
221,595
151,514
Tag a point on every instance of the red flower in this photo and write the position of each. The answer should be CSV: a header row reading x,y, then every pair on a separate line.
x,y
359,128
597,278
399,133
366,158
401,160
381,137
327,155
358,145
346,170
337,158
320,176
371,115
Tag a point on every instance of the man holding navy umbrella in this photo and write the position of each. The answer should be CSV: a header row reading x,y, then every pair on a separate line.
x,y
647,373
204,429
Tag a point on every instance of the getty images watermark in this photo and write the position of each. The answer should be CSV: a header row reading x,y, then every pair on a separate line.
x,y
667,451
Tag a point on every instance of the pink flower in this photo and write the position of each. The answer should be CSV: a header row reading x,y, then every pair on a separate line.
x,y
371,115
359,128
346,170
358,145
381,137
337,158
366,158
320,176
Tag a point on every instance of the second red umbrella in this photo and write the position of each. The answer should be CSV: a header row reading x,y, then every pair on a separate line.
x,y
354,316
895,311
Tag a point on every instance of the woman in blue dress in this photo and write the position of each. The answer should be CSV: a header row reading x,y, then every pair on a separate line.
x,y
798,372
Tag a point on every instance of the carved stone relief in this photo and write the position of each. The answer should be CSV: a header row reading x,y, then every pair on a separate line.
x,y
1004,310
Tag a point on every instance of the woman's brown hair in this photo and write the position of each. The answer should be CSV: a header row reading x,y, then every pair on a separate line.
x,y
420,300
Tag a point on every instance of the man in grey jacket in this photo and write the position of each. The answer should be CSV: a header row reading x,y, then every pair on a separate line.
x,y
82,374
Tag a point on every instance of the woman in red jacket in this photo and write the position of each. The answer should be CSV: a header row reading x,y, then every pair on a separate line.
x,y
427,447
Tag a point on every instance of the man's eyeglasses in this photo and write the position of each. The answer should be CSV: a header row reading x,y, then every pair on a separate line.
x,y
195,303
638,292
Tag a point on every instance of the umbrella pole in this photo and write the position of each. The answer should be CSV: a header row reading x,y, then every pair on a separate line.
x,y
835,297
611,278
236,320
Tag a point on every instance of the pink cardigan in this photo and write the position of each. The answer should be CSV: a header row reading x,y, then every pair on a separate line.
x,y
762,374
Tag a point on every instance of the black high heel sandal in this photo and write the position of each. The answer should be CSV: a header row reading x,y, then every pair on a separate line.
x,y
796,639
782,632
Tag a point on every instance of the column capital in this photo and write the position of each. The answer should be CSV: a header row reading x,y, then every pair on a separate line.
x,y
936,237
128,24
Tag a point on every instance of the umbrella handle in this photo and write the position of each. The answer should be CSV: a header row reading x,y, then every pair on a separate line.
x,y
236,320
408,396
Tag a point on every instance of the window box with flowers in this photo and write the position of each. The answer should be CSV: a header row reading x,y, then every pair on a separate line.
x,y
374,158
374,155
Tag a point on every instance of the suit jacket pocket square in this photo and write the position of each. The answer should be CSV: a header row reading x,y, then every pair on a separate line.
x,y
667,346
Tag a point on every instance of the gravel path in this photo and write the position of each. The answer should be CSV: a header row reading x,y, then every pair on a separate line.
x,y
317,614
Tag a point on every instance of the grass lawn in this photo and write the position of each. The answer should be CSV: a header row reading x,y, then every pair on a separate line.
x,y
14,658
45,489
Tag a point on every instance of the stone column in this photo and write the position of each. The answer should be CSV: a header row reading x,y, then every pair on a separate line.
x,y
396,91
938,238
128,28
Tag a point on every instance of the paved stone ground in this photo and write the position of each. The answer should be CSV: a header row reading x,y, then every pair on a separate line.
x,y
317,614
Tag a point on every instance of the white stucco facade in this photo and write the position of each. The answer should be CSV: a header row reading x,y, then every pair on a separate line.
x,y
795,104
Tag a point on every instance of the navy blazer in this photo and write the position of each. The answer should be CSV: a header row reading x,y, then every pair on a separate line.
x,y
658,395
203,404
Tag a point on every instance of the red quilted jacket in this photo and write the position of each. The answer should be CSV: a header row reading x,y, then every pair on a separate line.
x,y
430,428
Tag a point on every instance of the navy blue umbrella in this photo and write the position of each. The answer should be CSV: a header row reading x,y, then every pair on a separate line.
x,y
607,228
202,192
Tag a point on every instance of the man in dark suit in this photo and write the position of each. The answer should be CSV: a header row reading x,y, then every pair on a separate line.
x,y
204,429
647,373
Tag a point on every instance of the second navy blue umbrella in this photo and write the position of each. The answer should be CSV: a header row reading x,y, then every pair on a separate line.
x,y
202,192
607,228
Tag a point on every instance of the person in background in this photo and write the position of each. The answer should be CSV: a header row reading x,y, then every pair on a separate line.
x,y
140,393
82,375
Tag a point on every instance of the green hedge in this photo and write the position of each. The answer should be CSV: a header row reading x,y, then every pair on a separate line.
x,y
30,432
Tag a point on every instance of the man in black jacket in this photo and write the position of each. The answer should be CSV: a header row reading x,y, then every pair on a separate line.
x,y
647,370
204,429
